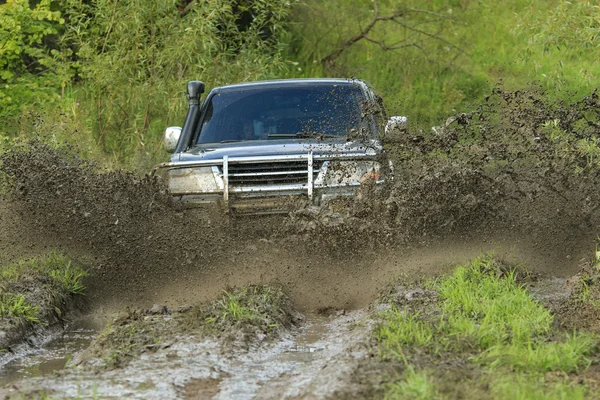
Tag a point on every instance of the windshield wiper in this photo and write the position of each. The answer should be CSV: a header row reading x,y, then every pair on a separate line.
x,y
230,141
302,135
315,135
282,135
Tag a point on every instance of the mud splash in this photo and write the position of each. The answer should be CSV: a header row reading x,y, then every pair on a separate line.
x,y
495,179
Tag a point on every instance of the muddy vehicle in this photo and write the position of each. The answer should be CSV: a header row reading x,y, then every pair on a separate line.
x,y
274,146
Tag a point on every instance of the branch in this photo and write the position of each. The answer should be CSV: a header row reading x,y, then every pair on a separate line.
x,y
406,42
183,11
112,22
329,59
431,35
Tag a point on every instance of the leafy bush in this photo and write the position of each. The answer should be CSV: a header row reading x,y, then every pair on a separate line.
x,y
135,57
117,69
33,69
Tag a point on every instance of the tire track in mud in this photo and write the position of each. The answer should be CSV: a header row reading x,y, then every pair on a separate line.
x,y
512,191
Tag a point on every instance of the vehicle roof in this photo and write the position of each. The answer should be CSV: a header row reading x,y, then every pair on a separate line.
x,y
288,83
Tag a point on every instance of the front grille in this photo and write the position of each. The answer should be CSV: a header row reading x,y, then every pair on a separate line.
x,y
271,173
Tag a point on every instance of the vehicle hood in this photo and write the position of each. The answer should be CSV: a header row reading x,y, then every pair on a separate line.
x,y
215,151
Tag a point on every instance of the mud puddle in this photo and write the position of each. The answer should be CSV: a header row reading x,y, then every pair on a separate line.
x,y
51,357
310,361
46,354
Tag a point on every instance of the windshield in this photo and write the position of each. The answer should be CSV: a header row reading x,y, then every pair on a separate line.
x,y
282,112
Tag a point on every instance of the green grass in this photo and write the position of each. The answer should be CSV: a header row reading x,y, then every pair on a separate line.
x,y
237,315
535,387
492,323
117,117
402,329
32,287
15,306
413,386
550,43
261,306
569,355
490,311
125,338
233,308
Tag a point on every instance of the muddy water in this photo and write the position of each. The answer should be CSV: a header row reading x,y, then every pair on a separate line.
x,y
315,361
49,358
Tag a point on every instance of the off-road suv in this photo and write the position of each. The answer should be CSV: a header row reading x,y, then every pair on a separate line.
x,y
266,147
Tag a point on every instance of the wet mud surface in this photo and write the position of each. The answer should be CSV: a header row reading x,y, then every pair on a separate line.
x,y
496,179
331,355
314,360
46,358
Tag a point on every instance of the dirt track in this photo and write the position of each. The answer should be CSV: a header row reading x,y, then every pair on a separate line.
x,y
513,192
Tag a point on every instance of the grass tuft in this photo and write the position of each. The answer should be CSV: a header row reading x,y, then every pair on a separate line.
x,y
16,307
239,315
33,289
403,329
566,356
413,386
257,307
491,310
490,322
535,387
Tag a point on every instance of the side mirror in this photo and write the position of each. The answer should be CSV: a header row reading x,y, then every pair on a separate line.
x,y
171,138
396,128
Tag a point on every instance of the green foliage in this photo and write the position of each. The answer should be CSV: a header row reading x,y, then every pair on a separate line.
x,y
125,338
566,356
233,309
486,317
117,69
413,385
242,311
570,25
69,277
528,387
135,57
34,287
479,44
56,266
32,67
402,329
262,305
15,306
110,75
492,311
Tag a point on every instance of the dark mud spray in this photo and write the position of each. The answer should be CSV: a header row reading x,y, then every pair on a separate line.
x,y
516,176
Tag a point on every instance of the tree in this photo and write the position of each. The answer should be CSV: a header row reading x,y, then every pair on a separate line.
x,y
31,67
419,25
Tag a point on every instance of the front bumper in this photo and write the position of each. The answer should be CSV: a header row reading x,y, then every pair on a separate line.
x,y
252,192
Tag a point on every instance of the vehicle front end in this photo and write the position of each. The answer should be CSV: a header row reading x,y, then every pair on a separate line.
x,y
275,147
269,184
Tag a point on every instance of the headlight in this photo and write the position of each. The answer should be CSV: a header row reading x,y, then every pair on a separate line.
x,y
351,172
196,180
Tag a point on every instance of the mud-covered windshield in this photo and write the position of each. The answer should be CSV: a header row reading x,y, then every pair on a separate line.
x,y
282,112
